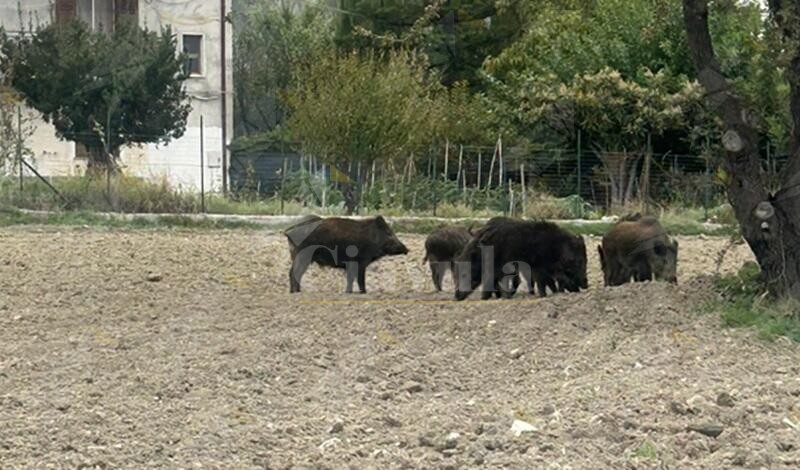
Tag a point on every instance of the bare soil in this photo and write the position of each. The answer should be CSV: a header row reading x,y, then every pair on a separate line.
x,y
178,349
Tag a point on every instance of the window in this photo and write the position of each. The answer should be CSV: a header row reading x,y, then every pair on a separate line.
x,y
101,15
96,13
193,52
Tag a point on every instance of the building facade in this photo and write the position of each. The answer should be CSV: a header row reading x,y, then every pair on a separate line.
x,y
203,34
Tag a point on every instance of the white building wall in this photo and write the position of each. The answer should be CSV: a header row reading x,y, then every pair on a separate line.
x,y
179,161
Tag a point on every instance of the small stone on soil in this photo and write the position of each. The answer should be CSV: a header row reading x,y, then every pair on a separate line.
x,y
451,441
426,440
707,429
725,399
392,421
515,353
785,446
337,427
412,387
547,410
518,427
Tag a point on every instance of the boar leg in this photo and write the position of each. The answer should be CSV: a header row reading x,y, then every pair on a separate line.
x,y
551,283
299,266
437,274
642,272
490,284
351,271
362,278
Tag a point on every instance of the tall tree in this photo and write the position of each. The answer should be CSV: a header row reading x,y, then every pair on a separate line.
x,y
617,116
353,110
103,91
274,40
770,220
457,36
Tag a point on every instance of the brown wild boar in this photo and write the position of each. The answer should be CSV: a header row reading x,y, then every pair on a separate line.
x,y
346,244
441,248
638,248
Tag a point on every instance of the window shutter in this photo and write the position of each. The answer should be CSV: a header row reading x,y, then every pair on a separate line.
x,y
65,10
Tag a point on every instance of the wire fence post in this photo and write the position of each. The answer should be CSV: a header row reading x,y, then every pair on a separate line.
x,y
19,149
645,180
108,160
202,168
707,182
524,190
283,181
706,188
478,180
578,155
433,187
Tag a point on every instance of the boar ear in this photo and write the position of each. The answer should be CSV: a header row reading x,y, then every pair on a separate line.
x,y
381,221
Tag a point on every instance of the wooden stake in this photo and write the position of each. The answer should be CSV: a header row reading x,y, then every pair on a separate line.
x,y
480,158
524,191
501,165
446,159
460,157
491,168
511,201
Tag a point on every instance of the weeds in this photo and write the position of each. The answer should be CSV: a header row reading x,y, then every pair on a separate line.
x,y
745,304
91,219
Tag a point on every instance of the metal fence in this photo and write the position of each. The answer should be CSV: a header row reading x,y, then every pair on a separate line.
x,y
493,179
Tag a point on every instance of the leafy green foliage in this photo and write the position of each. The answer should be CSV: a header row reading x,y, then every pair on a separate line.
x,y
567,40
615,113
457,37
101,90
15,129
358,109
273,43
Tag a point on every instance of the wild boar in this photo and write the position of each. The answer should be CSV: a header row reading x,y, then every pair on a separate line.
x,y
346,244
441,248
638,248
541,252
539,278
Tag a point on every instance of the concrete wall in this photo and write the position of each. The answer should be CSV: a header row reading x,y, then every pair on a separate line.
x,y
179,161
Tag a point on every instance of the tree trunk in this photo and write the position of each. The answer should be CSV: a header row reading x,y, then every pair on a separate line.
x,y
351,188
620,168
100,162
770,223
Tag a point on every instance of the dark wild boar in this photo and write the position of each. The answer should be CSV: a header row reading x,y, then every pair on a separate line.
x,y
346,244
441,248
638,248
538,251
538,278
